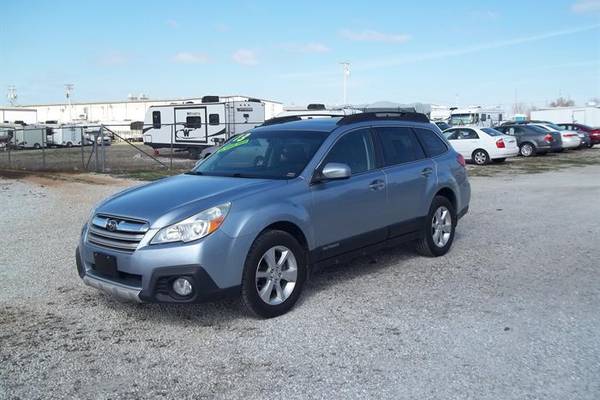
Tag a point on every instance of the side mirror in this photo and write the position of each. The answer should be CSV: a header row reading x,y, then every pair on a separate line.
x,y
334,171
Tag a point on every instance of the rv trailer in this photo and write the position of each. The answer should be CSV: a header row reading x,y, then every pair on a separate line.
x,y
195,126
476,116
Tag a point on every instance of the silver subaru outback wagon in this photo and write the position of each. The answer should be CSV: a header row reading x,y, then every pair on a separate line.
x,y
274,204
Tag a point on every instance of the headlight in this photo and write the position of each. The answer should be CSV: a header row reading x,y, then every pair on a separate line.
x,y
195,227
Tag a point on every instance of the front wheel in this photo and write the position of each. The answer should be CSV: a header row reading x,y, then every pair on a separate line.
x,y
274,274
440,225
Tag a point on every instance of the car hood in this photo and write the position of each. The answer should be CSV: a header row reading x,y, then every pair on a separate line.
x,y
172,199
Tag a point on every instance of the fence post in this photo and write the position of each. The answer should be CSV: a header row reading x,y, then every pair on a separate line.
x,y
173,128
102,146
96,135
44,149
82,143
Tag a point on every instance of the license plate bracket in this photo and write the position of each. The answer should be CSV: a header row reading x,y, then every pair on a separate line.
x,y
105,264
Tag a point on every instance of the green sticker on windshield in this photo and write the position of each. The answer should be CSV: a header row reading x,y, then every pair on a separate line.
x,y
238,141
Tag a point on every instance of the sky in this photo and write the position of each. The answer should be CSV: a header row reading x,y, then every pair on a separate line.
x,y
445,52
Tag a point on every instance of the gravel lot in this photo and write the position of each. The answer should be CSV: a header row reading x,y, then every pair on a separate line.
x,y
513,312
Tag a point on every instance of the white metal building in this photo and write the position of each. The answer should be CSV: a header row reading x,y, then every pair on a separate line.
x,y
588,115
11,114
121,112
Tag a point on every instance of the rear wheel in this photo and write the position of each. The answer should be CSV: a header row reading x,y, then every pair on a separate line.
x,y
37,146
69,144
480,157
274,274
438,232
527,150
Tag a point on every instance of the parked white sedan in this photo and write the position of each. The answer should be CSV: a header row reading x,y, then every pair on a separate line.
x,y
482,145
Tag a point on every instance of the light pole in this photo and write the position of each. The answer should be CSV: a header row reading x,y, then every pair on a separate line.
x,y
346,72
68,91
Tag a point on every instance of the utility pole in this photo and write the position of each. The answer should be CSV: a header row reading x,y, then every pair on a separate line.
x,y
346,71
11,94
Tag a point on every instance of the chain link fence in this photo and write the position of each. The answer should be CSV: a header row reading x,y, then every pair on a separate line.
x,y
89,148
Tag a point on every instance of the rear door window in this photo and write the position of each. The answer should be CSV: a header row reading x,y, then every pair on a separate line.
x,y
354,149
433,145
400,145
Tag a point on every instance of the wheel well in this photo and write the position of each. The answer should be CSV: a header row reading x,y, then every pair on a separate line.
x,y
290,228
529,143
478,149
449,194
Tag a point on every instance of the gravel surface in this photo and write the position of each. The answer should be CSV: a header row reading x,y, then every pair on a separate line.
x,y
512,312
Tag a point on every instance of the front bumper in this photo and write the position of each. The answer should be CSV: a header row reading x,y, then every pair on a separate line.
x,y
213,264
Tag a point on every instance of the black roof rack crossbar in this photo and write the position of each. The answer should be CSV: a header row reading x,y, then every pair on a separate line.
x,y
385,115
290,118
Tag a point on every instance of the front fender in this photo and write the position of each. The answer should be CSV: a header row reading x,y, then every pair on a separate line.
x,y
251,221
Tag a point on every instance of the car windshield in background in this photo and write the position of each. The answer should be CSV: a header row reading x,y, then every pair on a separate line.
x,y
270,155
461,119
492,132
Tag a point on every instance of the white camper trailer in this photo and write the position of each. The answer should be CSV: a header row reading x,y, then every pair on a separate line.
x,y
476,116
64,136
194,126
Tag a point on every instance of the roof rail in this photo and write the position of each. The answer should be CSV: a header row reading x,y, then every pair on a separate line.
x,y
384,115
290,118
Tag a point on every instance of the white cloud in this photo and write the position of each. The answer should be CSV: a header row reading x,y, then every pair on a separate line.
x,y
172,23
186,57
443,54
307,48
245,57
585,6
374,36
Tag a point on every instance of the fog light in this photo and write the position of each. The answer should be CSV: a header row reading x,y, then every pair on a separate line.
x,y
182,286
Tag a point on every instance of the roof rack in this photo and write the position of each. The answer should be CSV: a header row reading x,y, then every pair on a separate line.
x,y
290,118
384,115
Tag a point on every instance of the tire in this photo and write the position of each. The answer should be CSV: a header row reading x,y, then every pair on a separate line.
x,y
69,144
37,146
480,157
498,160
527,149
273,301
428,245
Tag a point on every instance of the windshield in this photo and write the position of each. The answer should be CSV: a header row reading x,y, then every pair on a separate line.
x,y
492,132
462,119
270,155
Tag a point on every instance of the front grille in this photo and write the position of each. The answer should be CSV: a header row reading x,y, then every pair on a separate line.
x,y
116,233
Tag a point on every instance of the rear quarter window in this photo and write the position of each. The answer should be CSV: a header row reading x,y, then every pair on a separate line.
x,y
431,142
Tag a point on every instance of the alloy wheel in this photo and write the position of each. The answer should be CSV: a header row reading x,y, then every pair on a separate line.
x,y
526,150
441,226
276,275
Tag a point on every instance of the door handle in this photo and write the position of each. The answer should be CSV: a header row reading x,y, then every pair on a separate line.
x,y
377,185
426,172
